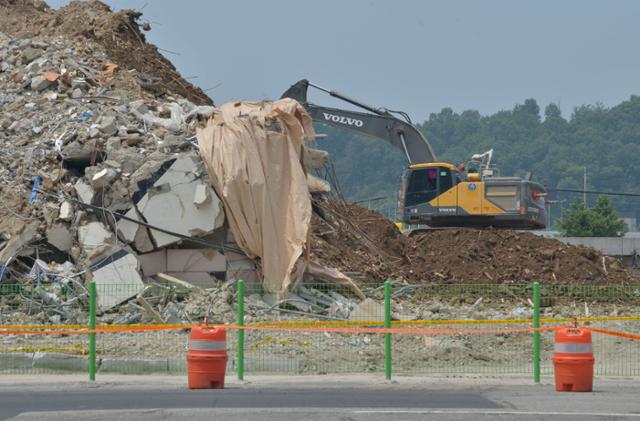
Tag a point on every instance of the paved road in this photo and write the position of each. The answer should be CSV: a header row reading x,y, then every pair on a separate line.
x,y
312,398
14,403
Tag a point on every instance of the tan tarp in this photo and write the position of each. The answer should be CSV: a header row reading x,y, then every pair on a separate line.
x,y
253,155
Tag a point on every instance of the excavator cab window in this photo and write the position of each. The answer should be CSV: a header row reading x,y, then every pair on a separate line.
x,y
425,184
445,180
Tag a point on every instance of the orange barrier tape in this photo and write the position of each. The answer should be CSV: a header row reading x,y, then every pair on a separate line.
x,y
395,330
615,333
347,323
101,330
85,326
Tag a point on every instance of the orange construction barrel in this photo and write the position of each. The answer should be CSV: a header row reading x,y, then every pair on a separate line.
x,y
207,357
573,360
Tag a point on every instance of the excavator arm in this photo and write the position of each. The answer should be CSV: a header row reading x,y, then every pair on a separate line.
x,y
381,123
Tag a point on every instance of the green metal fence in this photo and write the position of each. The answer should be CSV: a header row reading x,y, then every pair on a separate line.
x,y
449,306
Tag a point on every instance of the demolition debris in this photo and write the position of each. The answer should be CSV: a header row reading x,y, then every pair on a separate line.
x,y
114,169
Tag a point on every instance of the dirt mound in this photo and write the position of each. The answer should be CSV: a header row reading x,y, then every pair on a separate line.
x,y
117,32
368,246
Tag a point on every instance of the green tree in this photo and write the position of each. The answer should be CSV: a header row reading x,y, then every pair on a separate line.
x,y
600,220
605,220
576,222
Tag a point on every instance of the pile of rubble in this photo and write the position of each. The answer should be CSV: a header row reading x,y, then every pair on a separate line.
x,y
369,247
118,34
101,177
92,158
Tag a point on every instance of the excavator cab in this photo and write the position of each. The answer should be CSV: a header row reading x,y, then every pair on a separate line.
x,y
436,195
422,187
426,182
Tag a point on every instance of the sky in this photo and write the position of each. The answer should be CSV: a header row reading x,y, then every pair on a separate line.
x,y
413,55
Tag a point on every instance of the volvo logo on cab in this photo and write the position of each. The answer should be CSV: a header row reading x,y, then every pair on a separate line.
x,y
343,120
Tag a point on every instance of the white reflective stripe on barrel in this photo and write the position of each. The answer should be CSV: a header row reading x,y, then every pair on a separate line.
x,y
204,345
573,348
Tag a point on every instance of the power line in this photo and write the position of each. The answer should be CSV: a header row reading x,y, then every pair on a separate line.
x,y
605,193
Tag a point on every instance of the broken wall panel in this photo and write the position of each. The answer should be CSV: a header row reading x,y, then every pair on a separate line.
x,y
153,263
94,238
178,201
183,260
195,260
117,279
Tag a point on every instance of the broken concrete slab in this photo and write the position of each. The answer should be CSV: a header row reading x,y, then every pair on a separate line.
x,y
317,185
314,158
78,153
169,204
29,54
108,126
142,240
127,230
103,177
239,266
135,234
60,237
66,211
117,279
195,260
153,263
27,235
191,265
94,237
139,106
84,192
238,260
40,83
202,195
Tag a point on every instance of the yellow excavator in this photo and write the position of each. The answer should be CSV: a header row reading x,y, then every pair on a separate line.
x,y
433,193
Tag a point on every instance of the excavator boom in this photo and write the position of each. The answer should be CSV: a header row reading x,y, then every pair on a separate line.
x,y
381,123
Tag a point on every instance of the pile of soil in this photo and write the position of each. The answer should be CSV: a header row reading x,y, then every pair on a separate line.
x,y
117,32
367,246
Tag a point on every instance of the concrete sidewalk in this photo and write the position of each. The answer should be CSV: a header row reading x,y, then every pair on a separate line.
x,y
79,381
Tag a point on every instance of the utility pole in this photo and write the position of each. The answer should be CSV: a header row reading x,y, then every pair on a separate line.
x,y
549,203
584,187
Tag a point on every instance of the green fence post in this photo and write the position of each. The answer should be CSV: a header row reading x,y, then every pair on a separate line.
x,y
240,356
92,336
387,324
536,334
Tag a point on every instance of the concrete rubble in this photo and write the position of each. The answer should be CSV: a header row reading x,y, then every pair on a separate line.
x,y
172,203
102,141
94,160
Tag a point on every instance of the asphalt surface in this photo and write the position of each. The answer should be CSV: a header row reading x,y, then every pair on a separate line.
x,y
282,398
14,403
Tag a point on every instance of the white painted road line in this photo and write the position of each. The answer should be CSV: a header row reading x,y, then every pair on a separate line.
x,y
496,412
